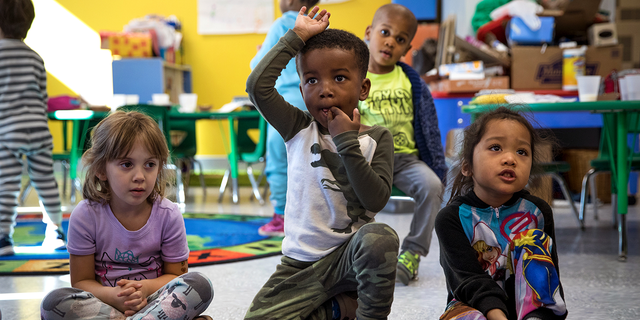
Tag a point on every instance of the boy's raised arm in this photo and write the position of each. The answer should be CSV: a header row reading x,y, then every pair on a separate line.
x,y
308,26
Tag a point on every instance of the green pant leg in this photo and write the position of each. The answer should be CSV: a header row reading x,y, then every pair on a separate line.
x,y
301,290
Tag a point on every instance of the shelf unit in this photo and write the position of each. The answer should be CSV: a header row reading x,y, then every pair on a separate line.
x,y
146,76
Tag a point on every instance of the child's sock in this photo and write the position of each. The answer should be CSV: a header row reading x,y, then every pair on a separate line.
x,y
54,238
336,309
344,305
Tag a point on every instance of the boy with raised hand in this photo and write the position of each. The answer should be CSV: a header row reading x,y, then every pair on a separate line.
x,y
340,174
400,101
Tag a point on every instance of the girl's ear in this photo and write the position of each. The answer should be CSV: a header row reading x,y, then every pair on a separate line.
x,y
466,169
102,176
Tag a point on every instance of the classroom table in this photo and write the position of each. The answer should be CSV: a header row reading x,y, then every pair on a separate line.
x,y
81,119
615,115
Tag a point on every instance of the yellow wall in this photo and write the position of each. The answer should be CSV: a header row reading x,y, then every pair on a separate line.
x,y
220,63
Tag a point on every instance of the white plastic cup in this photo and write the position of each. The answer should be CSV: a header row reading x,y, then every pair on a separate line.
x,y
588,87
188,102
622,83
118,101
132,99
633,86
161,99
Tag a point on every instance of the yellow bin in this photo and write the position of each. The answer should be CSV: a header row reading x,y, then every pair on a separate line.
x,y
573,65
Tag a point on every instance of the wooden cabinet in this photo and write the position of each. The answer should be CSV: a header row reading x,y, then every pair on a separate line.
x,y
145,77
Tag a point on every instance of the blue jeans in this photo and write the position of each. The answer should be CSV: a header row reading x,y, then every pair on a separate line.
x,y
276,166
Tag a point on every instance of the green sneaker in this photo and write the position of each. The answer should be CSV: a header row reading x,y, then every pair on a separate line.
x,y
408,263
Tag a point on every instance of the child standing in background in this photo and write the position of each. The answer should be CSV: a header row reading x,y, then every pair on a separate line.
x,y
127,243
340,176
497,241
23,127
288,85
400,101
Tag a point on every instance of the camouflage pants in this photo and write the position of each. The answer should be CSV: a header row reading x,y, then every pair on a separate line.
x,y
365,264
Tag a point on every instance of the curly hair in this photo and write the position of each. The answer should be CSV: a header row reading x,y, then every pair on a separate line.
x,y
309,3
345,40
16,17
114,138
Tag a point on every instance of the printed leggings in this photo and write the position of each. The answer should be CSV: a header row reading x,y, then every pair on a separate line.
x,y
184,297
537,285
365,264
37,145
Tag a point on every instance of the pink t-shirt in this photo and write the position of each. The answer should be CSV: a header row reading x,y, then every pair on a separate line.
x,y
123,254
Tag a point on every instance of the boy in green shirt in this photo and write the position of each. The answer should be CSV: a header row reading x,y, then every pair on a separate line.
x,y
400,101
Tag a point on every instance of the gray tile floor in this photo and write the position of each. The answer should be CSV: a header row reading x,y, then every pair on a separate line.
x,y
596,285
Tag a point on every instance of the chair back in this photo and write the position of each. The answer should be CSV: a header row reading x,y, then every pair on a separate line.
x,y
249,150
188,147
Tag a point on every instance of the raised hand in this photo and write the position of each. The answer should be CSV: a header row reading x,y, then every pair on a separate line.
x,y
339,122
308,26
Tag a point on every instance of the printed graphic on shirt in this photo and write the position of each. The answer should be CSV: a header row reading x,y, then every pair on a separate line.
x,y
332,161
490,231
391,108
149,269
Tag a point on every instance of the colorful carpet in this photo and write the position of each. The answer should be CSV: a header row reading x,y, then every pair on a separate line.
x,y
212,238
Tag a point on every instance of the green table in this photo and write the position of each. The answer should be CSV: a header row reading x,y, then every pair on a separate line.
x,y
614,115
81,119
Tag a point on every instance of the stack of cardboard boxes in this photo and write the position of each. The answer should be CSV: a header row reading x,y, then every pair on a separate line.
x,y
611,46
628,27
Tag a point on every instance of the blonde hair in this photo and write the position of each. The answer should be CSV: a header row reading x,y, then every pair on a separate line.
x,y
113,138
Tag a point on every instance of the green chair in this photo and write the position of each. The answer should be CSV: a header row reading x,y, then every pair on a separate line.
x,y
161,115
184,152
554,169
602,163
250,153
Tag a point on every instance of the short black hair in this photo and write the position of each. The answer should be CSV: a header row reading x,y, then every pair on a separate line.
x,y
16,17
345,40
309,3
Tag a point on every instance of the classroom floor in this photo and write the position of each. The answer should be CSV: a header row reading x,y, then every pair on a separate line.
x,y
596,285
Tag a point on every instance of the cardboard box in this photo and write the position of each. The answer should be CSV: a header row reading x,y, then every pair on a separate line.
x,y
574,17
471,85
534,68
127,45
602,34
627,25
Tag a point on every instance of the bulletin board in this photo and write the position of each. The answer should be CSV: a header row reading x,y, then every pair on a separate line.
x,y
234,16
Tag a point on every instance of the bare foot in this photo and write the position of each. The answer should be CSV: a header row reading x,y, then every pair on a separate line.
x,y
202,317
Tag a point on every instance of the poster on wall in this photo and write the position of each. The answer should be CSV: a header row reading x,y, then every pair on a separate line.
x,y
234,16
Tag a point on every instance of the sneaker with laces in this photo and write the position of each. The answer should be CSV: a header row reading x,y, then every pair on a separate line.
x,y
54,238
6,246
408,263
275,227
